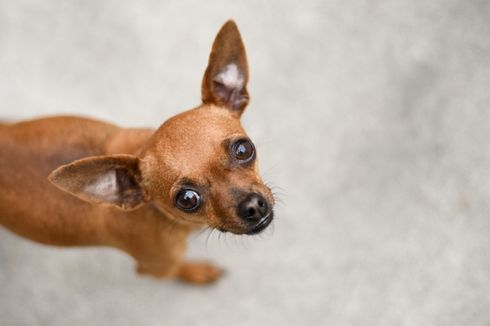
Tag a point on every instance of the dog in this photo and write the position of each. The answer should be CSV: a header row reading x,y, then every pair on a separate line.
x,y
71,181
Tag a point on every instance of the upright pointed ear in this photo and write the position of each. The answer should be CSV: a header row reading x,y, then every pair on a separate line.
x,y
226,77
107,180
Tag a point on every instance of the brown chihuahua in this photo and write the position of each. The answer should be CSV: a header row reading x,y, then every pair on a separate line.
x,y
140,190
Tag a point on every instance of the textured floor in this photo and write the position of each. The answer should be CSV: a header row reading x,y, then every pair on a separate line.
x,y
371,117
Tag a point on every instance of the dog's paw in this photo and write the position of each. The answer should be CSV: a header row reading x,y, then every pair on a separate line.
x,y
199,272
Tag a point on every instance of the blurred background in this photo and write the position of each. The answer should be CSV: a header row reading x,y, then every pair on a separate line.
x,y
372,119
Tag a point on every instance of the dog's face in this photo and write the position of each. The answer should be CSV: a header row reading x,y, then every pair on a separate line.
x,y
211,175
199,167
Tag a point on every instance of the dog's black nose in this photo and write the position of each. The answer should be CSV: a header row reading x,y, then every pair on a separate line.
x,y
253,208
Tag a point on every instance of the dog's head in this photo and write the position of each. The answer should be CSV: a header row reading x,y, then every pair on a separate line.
x,y
199,167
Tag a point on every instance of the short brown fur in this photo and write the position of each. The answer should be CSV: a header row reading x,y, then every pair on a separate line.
x,y
116,187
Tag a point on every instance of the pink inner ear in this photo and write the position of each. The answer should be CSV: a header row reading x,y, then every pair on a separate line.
x,y
130,192
104,187
228,87
225,79
107,180
221,91
230,97
231,77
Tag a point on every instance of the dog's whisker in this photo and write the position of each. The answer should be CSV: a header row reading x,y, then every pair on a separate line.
x,y
207,238
197,234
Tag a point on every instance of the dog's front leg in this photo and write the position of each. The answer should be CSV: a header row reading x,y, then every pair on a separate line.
x,y
163,257
195,272
199,272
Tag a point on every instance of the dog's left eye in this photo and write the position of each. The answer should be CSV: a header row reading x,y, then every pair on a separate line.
x,y
188,200
243,150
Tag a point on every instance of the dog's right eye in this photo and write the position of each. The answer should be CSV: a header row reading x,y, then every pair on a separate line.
x,y
188,200
243,151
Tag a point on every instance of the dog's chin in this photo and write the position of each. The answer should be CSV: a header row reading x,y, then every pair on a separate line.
x,y
253,229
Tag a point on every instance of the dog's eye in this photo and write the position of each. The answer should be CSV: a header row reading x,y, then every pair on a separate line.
x,y
188,200
243,150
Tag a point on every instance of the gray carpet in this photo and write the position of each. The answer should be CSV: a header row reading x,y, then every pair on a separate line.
x,y
371,117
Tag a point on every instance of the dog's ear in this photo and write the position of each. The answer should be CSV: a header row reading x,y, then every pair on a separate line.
x,y
108,180
226,77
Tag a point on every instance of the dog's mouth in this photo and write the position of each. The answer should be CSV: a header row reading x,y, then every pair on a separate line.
x,y
262,224
258,227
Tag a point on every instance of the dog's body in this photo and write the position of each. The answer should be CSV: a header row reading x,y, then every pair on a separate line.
x,y
190,173
30,205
